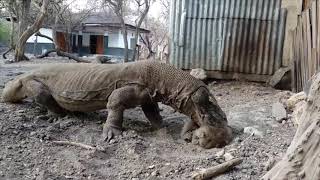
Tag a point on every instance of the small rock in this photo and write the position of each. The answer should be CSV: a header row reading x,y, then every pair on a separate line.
x,y
33,133
228,156
302,174
155,173
220,153
253,131
279,112
151,167
269,164
238,140
244,171
42,117
295,99
20,111
113,141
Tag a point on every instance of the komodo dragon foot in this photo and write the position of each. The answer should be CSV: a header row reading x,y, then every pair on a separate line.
x,y
125,98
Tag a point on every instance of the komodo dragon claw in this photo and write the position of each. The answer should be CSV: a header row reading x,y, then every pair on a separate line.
x,y
109,133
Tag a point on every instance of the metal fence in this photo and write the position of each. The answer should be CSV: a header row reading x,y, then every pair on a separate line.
x,y
242,36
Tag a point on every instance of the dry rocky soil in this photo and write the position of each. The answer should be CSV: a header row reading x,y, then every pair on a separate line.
x,y
27,151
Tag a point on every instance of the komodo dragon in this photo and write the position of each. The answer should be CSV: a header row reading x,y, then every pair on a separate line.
x,y
89,87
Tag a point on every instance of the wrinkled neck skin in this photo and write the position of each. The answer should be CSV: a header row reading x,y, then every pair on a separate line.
x,y
213,117
203,109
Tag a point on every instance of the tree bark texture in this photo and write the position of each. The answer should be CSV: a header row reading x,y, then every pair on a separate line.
x,y
125,39
21,43
302,159
138,25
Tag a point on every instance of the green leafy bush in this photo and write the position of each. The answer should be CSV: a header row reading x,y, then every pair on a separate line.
x,y
4,32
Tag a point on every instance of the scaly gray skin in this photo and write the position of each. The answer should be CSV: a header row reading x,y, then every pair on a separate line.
x,y
89,87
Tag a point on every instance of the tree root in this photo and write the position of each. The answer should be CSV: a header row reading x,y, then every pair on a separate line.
x,y
216,170
4,55
85,146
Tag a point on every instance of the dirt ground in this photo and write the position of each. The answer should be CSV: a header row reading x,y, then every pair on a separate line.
x,y
27,151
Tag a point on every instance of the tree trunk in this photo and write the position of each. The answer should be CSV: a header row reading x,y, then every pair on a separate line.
x,y
19,52
125,40
24,12
20,46
138,25
136,36
147,43
302,159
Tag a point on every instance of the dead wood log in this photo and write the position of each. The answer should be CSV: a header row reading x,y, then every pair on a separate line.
x,y
302,160
216,170
71,56
64,54
46,54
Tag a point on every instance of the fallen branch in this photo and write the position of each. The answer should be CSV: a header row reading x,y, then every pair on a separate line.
x,y
71,56
64,54
85,146
46,54
216,170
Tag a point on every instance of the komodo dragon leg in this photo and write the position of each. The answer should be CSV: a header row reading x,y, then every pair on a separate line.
x,y
124,98
152,112
187,130
42,96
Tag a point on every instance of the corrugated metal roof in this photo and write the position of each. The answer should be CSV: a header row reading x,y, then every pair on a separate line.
x,y
227,35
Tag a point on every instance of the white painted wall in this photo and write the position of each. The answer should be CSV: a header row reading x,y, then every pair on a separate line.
x,y
85,39
116,39
45,31
113,39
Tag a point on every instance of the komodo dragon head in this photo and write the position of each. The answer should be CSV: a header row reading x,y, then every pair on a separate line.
x,y
13,91
213,128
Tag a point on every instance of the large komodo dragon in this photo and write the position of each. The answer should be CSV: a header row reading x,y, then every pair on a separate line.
x,y
89,87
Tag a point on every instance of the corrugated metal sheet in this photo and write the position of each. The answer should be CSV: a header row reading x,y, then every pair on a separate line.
x,y
243,36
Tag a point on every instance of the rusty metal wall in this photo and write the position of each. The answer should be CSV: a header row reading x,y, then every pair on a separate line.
x,y
243,36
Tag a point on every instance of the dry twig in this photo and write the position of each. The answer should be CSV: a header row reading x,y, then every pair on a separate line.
x,y
216,170
85,146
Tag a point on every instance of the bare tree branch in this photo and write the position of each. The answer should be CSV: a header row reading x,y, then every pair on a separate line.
x,y
42,35
118,7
